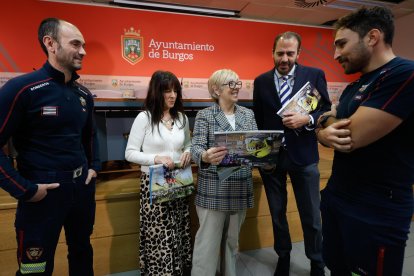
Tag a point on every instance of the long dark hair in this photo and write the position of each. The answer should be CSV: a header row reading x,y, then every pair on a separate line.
x,y
154,104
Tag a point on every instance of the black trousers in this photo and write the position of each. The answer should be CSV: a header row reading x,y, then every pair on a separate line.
x,y
305,183
38,224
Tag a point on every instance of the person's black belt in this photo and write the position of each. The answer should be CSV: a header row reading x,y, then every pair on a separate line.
x,y
72,174
69,174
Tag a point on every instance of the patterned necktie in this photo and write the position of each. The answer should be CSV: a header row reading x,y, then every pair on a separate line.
x,y
284,90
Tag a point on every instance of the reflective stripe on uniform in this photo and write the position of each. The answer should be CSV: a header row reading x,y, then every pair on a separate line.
x,y
32,268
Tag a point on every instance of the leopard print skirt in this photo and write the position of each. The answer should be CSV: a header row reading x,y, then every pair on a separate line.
x,y
165,239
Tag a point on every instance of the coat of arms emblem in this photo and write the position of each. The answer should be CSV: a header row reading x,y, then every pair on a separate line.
x,y
132,46
34,253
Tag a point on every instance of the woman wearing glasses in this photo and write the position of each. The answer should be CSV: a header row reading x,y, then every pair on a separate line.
x,y
221,206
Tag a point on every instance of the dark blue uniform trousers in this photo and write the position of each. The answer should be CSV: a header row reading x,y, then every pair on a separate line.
x,y
305,183
362,238
38,225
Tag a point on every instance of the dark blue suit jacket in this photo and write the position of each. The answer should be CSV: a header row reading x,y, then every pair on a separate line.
x,y
302,146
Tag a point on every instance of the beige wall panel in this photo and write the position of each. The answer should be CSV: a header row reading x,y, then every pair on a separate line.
x,y
115,237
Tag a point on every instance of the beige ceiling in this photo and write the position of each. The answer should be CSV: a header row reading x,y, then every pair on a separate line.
x,y
287,10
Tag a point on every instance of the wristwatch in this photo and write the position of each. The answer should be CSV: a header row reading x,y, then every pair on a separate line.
x,y
310,122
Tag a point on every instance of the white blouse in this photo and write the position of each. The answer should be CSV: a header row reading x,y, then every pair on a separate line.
x,y
144,143
232,120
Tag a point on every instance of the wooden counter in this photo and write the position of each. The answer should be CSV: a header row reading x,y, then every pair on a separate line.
x,y
115,238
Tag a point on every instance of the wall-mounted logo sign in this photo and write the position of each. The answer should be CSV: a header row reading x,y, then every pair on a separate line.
x,y
132,46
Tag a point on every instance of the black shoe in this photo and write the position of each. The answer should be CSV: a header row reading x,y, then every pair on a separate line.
x,y
187,271
317,269
283,266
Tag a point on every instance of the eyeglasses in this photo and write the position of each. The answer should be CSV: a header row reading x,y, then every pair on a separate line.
x,y
233,84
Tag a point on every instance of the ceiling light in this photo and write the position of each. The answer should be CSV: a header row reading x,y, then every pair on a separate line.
x,y
177,8
311,4
344,4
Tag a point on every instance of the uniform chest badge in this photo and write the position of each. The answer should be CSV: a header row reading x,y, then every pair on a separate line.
x,y
82,101
363,87
49,111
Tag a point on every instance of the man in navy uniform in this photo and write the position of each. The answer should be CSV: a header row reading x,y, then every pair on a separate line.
x,y
49,116
367,204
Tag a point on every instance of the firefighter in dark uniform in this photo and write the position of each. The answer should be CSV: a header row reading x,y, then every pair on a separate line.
x,y
49,117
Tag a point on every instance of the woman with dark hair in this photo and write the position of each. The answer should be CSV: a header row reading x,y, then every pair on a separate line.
x,y
160,135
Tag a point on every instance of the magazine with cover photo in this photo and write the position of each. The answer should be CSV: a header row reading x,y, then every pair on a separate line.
x,y
255,148
167,184
305,101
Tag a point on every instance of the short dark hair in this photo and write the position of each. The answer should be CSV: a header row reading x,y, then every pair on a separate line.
x,y
287,35
365,19
49,26
160,82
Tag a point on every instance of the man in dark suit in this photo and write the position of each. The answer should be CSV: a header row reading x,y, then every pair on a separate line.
x,y
298,156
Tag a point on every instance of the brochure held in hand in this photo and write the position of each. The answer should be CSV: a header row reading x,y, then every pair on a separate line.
x,y
255,148
167,184
305,101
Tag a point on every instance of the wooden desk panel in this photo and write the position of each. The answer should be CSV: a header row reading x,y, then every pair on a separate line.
x,y
115,238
